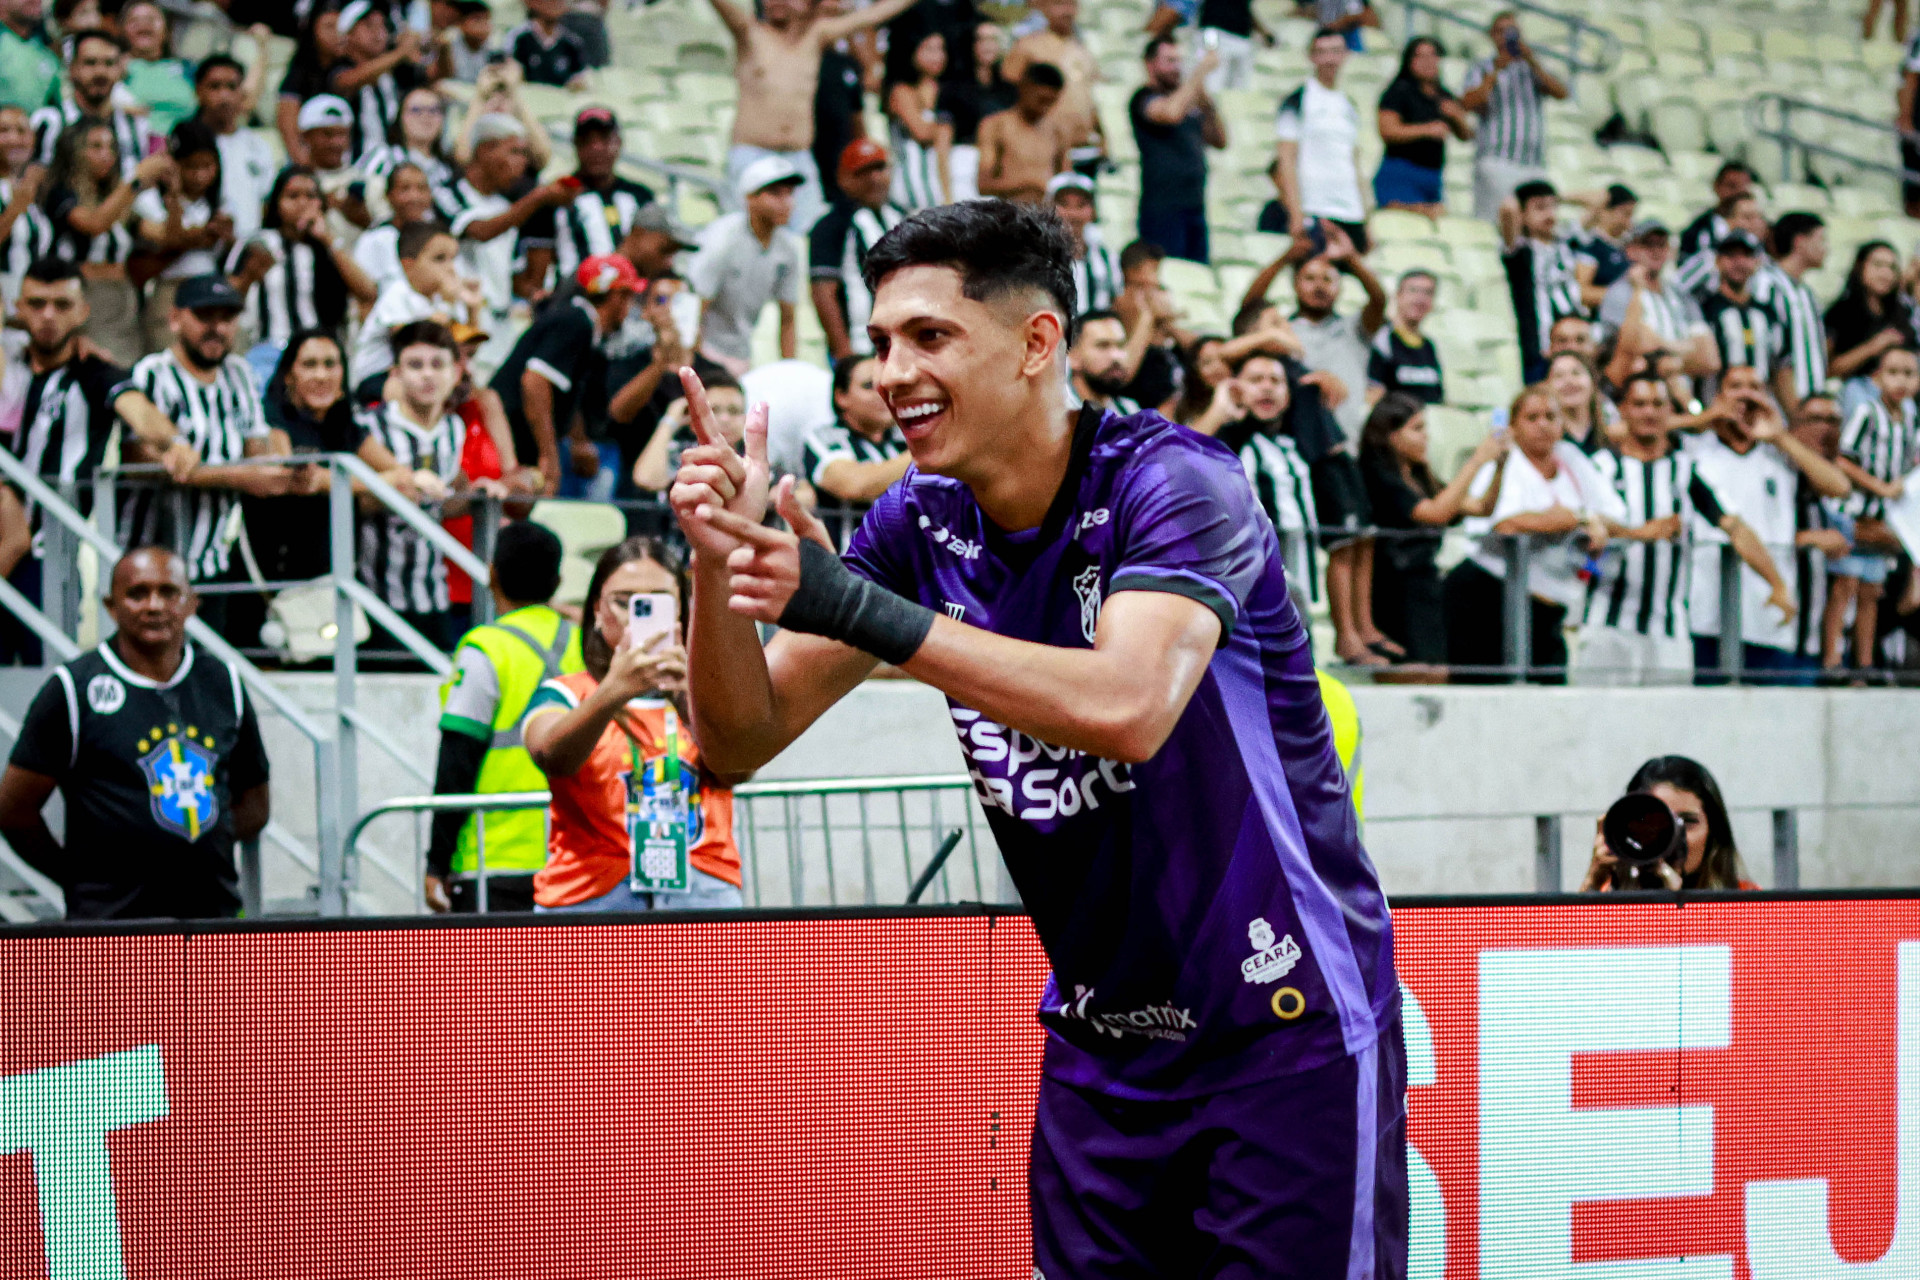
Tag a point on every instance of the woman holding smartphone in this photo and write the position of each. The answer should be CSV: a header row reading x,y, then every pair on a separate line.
x,y
635,823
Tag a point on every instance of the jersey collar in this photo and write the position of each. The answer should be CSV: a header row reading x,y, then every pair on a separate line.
x,y
1067,497
127,674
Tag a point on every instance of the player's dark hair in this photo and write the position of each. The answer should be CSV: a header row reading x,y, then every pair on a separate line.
x,y
997,246
1528,191
526,562
425,333
843,372
216,62
1043,75
1720,868
1787,231
595,652
416,236
52,270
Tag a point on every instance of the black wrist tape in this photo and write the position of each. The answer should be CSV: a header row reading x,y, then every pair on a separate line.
x,y
837,603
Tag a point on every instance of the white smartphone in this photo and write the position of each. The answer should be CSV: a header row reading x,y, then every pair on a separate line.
x,y
651,614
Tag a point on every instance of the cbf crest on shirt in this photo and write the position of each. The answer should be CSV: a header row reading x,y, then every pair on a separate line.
x,y
1210,914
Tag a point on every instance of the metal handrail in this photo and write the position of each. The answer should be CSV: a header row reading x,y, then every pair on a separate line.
x,y
1789,141
416,519
841,786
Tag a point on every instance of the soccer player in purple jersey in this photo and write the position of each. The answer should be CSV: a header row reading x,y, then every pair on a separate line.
x,y
1104,605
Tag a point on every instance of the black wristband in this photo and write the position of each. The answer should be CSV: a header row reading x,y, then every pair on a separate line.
x,y
837,603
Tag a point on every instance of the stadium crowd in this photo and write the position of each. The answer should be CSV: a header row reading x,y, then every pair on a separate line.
x,y
380,268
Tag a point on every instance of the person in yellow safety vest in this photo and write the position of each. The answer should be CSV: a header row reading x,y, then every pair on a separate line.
x,y
1346,736
496,669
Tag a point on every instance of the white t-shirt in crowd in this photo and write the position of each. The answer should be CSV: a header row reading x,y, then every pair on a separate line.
x,y
799,398
489,261
399,303
1758,486
378,253
1553,572
247,170
1326,125
193,213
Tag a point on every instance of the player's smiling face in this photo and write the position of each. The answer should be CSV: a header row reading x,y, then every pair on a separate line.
x,y
954,371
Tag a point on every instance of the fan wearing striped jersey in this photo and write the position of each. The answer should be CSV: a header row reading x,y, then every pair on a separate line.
x,y
1637,628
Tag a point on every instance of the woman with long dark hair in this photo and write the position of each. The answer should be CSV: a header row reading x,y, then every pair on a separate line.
x,y
632,806
922,133
1406,497
1869,318
88,202
1711,859
1587,418
291,272
1417,115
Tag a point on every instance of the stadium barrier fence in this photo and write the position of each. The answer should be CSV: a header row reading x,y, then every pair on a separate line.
x,y
1657,1085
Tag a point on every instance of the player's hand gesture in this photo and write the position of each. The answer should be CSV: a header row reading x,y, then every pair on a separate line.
x,y
764,566
713,474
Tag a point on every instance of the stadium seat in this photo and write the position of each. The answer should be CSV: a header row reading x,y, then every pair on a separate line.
x,y
1189,279
585,529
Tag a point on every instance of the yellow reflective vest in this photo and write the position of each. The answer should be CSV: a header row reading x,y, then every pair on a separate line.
x,y
1346,735
524,648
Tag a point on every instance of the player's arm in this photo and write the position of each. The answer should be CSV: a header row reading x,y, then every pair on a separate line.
x,y
1118,700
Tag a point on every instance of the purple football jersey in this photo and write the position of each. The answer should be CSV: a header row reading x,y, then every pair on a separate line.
x,y
1210,914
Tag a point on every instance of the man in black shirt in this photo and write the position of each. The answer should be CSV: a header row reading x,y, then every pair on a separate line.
x,y
554,361
1174,123
65,421
1403,359
156,752
838,244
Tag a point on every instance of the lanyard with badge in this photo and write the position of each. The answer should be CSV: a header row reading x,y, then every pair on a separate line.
x,y
657,816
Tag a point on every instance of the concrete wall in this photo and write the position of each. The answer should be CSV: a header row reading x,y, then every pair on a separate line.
x,y
1454,775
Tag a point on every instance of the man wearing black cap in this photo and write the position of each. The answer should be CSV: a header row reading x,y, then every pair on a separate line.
x,y
598,219
1744,329
1599,246
209,394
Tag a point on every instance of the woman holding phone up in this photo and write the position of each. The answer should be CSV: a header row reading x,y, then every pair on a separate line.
x,y
636,824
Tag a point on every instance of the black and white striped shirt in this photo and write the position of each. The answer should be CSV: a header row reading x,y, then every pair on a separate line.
x,y
384,159
836,442
595,224
292,294
65,423
1804,330
129,131
218,418
394,560
1704,232
1746,333
1284,487
1541,281
1096,276
1646,588
1513,125
1881,445
30,238
837,248
376,108
115,244
1810,511
916,172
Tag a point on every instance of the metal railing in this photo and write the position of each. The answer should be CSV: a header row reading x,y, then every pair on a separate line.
x,y
826,842
1585,48
1773,116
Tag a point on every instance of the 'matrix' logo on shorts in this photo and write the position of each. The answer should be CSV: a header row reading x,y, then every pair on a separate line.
x,y
1156,1021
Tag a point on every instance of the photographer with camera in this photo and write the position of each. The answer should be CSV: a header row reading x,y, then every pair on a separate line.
x,y
1670,831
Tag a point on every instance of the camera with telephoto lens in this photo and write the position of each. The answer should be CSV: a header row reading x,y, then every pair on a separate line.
x,y
1641,831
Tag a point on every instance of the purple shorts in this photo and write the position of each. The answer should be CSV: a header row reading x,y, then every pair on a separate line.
x,y
1303,1177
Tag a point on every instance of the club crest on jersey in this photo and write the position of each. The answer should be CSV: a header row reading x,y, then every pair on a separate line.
x,y
1086,585
179,769
1270,961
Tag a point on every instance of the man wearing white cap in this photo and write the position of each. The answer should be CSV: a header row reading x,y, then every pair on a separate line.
x,y
777,67
487,216
1096,269
746,259
326,129
377,74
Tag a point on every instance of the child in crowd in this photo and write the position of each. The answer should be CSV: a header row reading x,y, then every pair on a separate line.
x,y
1876,450
410,197
184,222
429,288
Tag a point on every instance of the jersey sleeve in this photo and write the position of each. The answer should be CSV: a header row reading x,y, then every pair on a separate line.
x,y
827,245
873,551
1286,124
825,444
473,695
1853,435
1187,525
551,696
1380,366
559,347
253,414
46,743
541,230
1706,499
247,767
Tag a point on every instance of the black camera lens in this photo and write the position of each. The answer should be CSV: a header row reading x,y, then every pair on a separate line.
x,y
1641,831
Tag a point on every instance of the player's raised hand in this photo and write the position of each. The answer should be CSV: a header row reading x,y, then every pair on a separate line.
x,y
764,566
713,473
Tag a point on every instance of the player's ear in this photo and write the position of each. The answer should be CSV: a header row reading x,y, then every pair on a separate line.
x,y
1046,335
